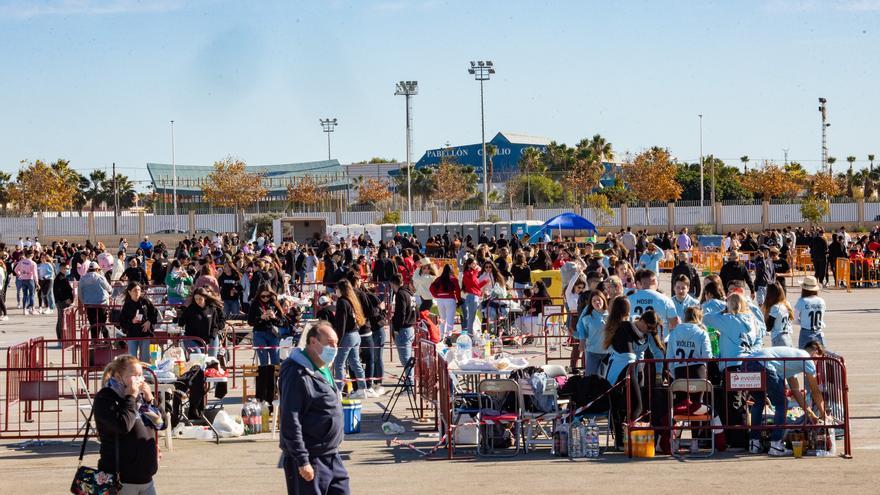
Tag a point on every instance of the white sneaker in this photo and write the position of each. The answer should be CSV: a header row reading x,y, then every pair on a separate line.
x,y
755,447
50,312
41,311
370,393
777,449
357,395
4,318
24,311
379,390
17,305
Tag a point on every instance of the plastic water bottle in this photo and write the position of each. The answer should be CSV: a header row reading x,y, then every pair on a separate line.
x,y
463,347
258,417
592,439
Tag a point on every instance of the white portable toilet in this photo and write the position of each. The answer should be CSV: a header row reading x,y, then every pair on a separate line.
x,y
374,231
337,231
355,229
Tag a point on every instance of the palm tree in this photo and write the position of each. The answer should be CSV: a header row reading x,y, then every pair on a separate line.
x,y
491,151
532,160
124,190
831,161
745,160
601,148
76,181
5,180
96,192
869,178
849,176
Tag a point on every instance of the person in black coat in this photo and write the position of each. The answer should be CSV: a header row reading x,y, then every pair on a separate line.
x,y
266,316
159,269
682,267
403,322
128,445
135,273
203,318
819,255
837,249
735,270
63,292
138,318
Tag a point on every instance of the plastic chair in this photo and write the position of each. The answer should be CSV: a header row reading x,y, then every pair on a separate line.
x,y
493,393
688,422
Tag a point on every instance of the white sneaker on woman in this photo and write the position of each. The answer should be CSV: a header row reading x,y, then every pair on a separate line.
x,y
4,318
357,395
379,390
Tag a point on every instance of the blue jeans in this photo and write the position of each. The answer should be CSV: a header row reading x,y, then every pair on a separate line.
x,y
231,307
378,365
595,362
348,355
776,392
404,340
807,336
18,291
471,306
192,345
760,294
140,349
27,294
266,339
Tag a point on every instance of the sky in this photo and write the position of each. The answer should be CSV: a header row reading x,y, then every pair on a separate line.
x,y
97,82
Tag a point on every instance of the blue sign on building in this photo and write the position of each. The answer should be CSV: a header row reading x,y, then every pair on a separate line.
x,y
505,162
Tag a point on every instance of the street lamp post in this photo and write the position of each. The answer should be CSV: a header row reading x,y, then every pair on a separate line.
x,y
702,200
329,125
482,70
408,89
174,180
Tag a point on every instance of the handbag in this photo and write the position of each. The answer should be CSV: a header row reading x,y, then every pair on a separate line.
x,y
91,481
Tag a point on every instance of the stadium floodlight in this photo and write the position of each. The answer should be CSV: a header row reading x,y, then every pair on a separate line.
x,y
408,89
482,70
328,125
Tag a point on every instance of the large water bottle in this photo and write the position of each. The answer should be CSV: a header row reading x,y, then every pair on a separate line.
x,y
464,348
265,415
258,416
593,438
245,418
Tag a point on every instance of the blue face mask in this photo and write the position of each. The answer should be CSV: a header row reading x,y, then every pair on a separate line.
x,y
328,353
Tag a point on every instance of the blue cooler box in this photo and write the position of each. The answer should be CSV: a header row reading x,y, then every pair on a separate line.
x,y
351,416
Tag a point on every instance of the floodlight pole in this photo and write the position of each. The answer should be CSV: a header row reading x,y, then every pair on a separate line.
x,y
482,70
328,125
408,89
702,195
174,180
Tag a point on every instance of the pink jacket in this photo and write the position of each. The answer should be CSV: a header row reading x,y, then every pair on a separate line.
x,y
26,269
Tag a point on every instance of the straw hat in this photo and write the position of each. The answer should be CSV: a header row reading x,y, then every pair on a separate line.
x,y
810,283
424,261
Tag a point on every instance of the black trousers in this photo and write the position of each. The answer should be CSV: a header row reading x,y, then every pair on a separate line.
x,y
60,306
97,322
821,267
331,478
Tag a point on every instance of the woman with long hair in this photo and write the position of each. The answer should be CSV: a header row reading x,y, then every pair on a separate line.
x,y
712,299
266,316
738,331
521,273
778,315
422,281
137,319
231,289
179,283
128,445
447,293
349,318
589,332
203,318
207,279
472,287
809,312
626,342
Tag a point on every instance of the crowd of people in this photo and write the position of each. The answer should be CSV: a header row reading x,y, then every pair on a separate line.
x,y
617,313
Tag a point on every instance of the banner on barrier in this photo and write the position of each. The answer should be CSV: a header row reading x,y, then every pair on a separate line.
x,y
746,381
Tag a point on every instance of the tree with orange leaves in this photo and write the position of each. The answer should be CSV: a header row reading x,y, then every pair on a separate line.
x,y
650,176
770,181
305,192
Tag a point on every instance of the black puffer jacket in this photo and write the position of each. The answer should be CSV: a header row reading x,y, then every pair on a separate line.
x,y
120,425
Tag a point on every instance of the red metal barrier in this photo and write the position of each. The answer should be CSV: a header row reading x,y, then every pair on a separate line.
x,y
426,378
53,405
831,376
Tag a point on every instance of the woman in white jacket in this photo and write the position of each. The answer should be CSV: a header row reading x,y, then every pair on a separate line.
x,y
422,281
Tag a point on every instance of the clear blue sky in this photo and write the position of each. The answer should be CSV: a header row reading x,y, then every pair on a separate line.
x,y
98,81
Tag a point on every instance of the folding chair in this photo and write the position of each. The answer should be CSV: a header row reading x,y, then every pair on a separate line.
x,y
493,395
76,384
538,426
686,422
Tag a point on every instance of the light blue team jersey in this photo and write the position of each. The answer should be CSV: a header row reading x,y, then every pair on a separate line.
x,y
591,327
738,335
760,324
809,312
786,369
651,261
781,322
647,299
684,304
688,341
713,306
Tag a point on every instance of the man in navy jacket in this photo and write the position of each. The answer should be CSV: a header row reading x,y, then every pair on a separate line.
x,y
311,417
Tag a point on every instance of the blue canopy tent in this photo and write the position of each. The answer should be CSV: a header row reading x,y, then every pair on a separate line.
x,y
565,221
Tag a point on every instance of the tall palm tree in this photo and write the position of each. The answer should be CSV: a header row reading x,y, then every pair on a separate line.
x,y
850,178
532,161
831,161
869,178
491,151
745,160
73,179
96,192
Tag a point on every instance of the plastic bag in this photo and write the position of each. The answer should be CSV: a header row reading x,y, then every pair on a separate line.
x,y
284,347
227,426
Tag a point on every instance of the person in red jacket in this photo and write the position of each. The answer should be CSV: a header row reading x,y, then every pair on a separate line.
x,y
447,294
472,286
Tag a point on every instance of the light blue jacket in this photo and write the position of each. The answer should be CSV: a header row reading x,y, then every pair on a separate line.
x,y
591,327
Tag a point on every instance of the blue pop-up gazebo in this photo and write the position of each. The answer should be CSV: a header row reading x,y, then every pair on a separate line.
x,y
565,221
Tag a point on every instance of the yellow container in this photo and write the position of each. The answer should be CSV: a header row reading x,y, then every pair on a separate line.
x,y
552,279
642,441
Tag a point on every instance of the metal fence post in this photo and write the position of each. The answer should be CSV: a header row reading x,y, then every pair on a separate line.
x,y
40,220
860,212
624,215
92,235
765,214
142,225
192,223
670,216
719,225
